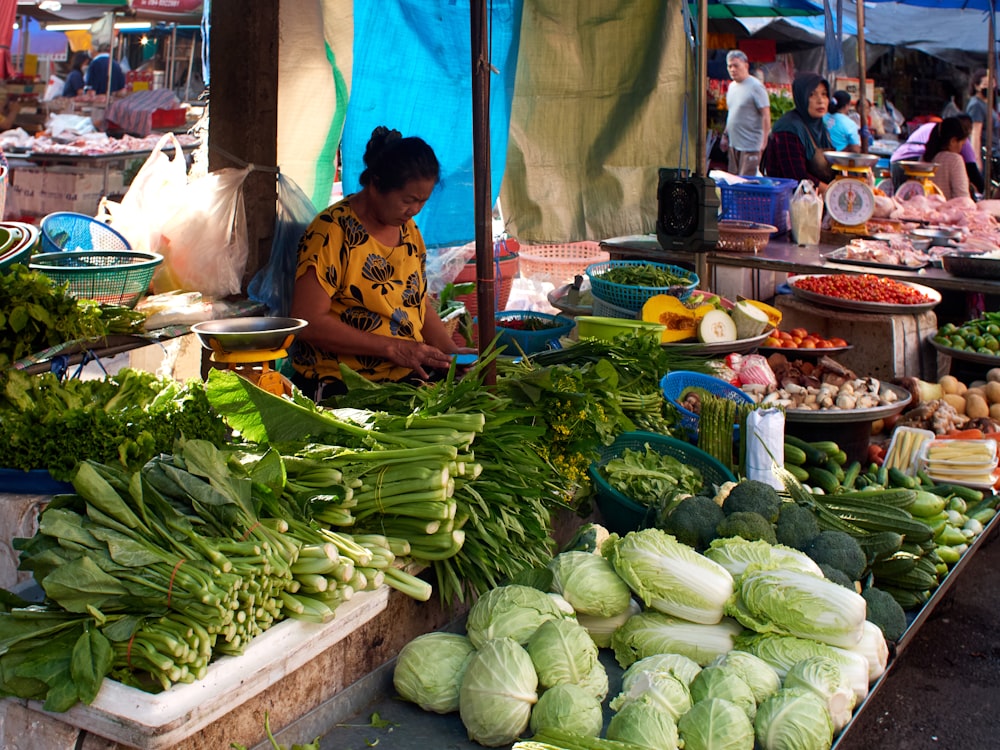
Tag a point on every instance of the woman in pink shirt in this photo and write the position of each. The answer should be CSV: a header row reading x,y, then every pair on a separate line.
x,y
944,148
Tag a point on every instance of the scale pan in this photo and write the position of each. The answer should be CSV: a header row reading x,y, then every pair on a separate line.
x,y
847,159
247,334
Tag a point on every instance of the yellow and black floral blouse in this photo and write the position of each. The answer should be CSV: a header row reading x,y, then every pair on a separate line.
x,y
372,287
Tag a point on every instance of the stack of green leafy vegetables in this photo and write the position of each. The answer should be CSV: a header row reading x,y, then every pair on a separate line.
x,y
656,480
36,313
124,419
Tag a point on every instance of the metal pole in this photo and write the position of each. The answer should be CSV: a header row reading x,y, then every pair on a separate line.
x,y
863,76
701,106
991,67
483,208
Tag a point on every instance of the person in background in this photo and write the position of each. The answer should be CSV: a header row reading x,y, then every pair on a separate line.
x,y
361,279
75,81
944,149
799,137
97,73
913,150
977,108
844,132
749,120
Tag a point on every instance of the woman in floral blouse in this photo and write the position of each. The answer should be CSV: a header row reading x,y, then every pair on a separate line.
x,y
361,279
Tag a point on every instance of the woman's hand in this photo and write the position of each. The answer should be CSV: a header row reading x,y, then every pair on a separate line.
x,y
417,356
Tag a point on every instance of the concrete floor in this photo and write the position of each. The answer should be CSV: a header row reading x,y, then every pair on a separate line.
x,y
940,693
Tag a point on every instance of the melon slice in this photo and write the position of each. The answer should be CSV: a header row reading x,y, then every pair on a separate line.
x,y
750,320
716,327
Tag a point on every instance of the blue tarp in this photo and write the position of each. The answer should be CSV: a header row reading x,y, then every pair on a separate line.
x,y
413,72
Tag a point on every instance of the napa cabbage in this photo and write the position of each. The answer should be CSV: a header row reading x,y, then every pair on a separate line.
x,y
757,673
735,554
669,576
649,633
681,667
874,648
601,628
793,719
590,584
791,602
662,689
823,676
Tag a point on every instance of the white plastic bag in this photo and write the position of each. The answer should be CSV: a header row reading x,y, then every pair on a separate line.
x,y
806,214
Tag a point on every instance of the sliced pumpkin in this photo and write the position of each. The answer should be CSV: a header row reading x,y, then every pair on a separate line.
x,y
773,313
680,321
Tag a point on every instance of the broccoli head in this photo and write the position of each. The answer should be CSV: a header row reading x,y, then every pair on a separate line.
x,y
748,525
693,521
886,612
752,496
796,526
839,550
836,575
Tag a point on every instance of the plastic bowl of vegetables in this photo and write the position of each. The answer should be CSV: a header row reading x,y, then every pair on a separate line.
x,y
627,496
530,331
629,283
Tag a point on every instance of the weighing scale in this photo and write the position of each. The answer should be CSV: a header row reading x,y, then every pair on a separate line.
x,y
919,180
249,346
850,199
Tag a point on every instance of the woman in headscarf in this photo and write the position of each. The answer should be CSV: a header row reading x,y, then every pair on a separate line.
x,y
799,138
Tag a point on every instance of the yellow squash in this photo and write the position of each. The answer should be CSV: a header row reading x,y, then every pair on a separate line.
x,y
680,320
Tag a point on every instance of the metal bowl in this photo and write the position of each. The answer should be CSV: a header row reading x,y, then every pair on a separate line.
x,y
248,334
971,266
847,159
937,235
920,167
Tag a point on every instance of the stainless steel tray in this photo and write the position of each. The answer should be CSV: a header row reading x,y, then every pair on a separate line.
x,y
971,266
842,416
837,256
873,307
990,360
740,346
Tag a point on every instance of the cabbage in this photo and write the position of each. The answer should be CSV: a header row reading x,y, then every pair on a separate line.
x,y
671,577
562,652
596,683
725,683
644,724
822,675
601,628
512,611
664,690
783,651
568,707
793,719
757,673
795,603
873,647
735,553
716,724
649,633
681,667
590,584
429,670
498,691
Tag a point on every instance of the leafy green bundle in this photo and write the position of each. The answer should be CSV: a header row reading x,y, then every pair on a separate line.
x,y
125,419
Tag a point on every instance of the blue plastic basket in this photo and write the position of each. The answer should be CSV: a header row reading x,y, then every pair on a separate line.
x,y
531,341
622,514
633,297
765,200
674,383
65,230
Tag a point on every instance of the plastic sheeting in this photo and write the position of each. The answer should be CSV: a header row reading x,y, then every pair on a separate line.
x,y
598,109
413,72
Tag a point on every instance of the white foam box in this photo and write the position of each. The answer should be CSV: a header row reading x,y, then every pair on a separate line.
x,y
884,346
128,717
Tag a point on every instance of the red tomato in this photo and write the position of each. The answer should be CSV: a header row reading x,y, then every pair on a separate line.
x,y
799,332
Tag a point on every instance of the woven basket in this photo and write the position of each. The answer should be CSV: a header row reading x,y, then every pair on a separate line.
x,y
559,264
674,383
504,271
633,297
744,236
65,230
108,277
622,514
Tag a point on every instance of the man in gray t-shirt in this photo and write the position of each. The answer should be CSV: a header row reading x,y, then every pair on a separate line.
x,y
749,120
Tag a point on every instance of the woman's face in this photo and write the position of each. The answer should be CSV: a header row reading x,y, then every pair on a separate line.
x,y
819,101
396,207
955,145
982,85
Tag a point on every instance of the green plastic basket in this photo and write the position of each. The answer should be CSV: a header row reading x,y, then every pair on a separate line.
x,y
106,276
622,514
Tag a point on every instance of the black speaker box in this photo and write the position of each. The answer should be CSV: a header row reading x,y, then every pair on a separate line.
x,y
687,212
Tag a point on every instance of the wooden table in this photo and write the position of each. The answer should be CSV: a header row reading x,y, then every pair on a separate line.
x,y
784,256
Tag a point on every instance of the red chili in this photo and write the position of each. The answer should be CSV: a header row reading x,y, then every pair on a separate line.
x,y
863,288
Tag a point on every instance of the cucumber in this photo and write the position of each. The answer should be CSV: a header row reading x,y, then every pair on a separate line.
x,y
925,479
823,479
830,448
794,454
905,598
851,475
968,494
834,468
798,472
880,545
813,455
898,479
840,457
882,476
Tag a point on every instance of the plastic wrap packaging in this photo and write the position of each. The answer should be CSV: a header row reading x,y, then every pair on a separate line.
x,y
765,436
806,214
